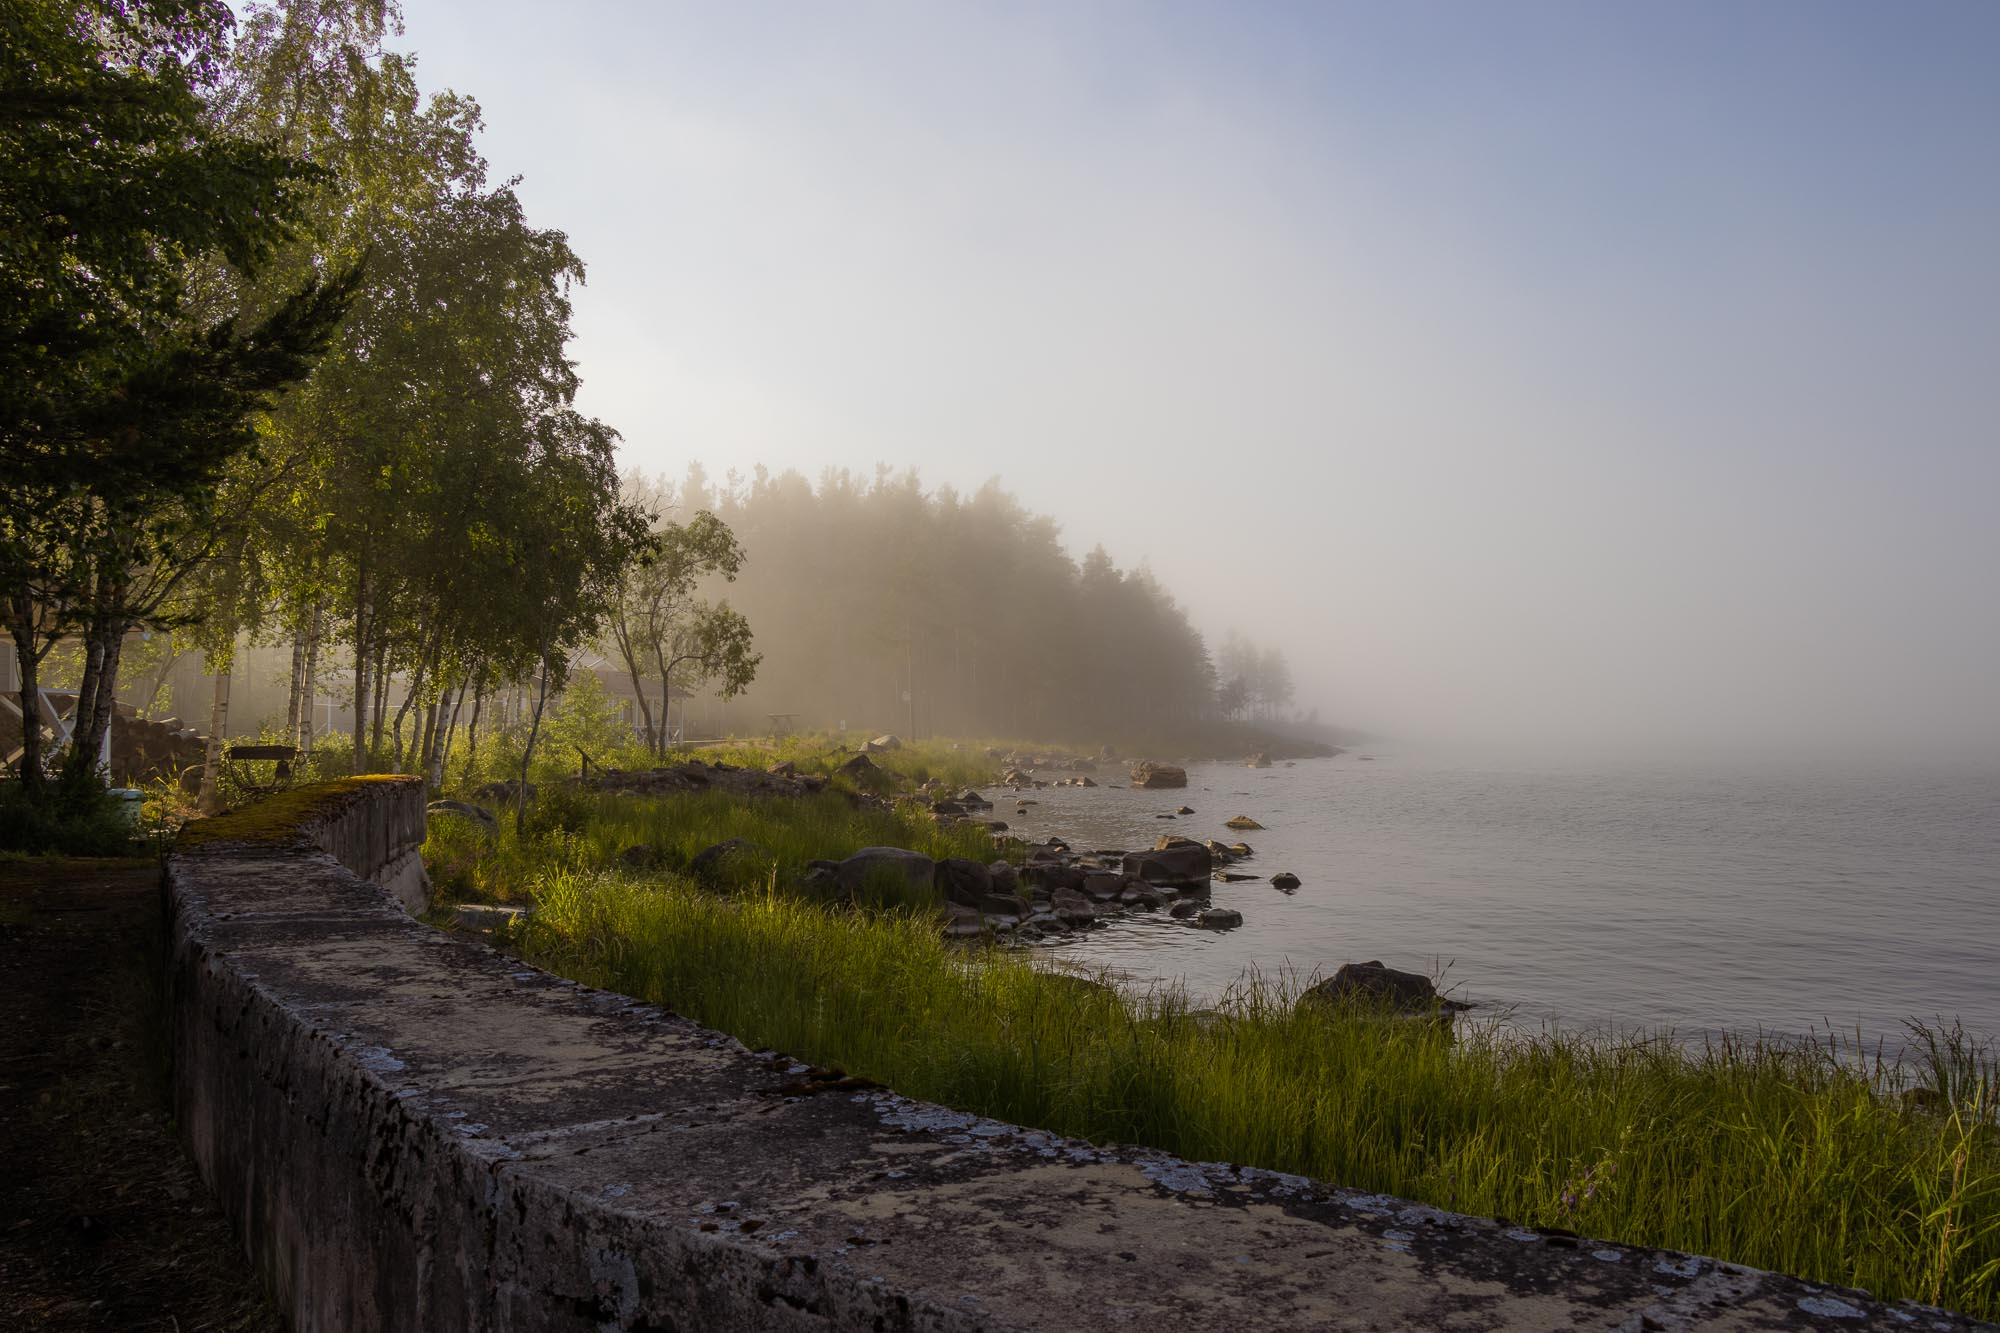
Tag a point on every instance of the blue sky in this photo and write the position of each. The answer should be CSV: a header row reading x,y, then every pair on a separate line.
x,y
1612,371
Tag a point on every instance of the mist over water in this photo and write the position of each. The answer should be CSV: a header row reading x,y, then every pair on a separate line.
x,y
1756,897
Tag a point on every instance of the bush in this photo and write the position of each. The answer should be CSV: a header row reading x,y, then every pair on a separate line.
x,y
75,817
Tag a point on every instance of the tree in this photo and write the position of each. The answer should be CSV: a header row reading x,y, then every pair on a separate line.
x,y
658,623
124,392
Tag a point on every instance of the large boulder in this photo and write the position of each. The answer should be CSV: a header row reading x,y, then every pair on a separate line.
x,y
1184,866
919,870
965,881
883,744
1158,775
1371,984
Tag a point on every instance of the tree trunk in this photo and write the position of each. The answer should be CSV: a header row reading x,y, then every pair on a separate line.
x,y
307,721
21,624
410,697
210,797
360,669
472,736
528,752
298,684
98,705
381,698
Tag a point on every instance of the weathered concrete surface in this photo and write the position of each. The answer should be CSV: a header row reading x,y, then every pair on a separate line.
x,y
416,1132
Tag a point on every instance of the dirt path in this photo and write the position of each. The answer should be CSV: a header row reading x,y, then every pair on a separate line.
x,y
103,1222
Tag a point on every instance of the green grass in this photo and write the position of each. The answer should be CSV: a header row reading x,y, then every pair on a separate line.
x,y
579,831
1791,1156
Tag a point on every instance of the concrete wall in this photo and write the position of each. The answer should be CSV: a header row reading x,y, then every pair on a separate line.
x,y
413,1131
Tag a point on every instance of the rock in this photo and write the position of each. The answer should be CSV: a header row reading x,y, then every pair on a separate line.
x,y
1405,993
881,745
1169,841
1284,879
1003,877
1185,810
963,926
1241,849
1106,752
1103,886
476,814
947,808
784,768
1221,853
1072,908
1184,909
862,769
1166,816
1140,894
1187,865
919,870
1083,782
710,862
1243,822
1258,760
1158,775
486,916
994,904
1052,875
502,792
1219,918
972,800
966,881
1228,878
641,856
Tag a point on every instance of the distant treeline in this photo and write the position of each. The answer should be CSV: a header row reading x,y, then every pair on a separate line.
x,y
880,603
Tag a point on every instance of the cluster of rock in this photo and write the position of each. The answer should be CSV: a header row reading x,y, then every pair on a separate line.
x,y
782,780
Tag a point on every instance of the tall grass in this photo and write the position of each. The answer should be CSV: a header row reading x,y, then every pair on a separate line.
x,y
590,831
1797,1156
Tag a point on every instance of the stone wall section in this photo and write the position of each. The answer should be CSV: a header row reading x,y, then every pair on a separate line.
x,y
415,1132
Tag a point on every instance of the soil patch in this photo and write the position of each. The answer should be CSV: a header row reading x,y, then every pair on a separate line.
x,y
103,1222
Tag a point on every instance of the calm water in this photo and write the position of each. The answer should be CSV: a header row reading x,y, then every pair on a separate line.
x,y
1782,901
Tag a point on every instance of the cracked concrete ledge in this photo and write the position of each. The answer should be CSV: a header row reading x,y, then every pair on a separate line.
x,y
413,1131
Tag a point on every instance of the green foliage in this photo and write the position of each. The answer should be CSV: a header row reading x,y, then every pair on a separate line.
x,y
1794,1156
588,831
76,819
884,604
585,721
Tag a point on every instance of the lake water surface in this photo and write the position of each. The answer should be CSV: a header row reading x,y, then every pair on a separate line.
x,y
1782,900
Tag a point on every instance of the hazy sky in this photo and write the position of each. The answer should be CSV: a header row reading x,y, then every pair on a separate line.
x,y
1592,372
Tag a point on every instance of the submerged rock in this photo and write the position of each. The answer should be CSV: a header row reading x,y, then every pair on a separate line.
x,y
1219,918
1284,879
1243,822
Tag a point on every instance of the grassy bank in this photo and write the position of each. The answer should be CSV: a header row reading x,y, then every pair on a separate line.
x,y
1792,1156
572,832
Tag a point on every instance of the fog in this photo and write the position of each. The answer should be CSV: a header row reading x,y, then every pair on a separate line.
x,y
1536,375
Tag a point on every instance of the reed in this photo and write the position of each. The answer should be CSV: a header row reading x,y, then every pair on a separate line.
x,y
1805,1156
